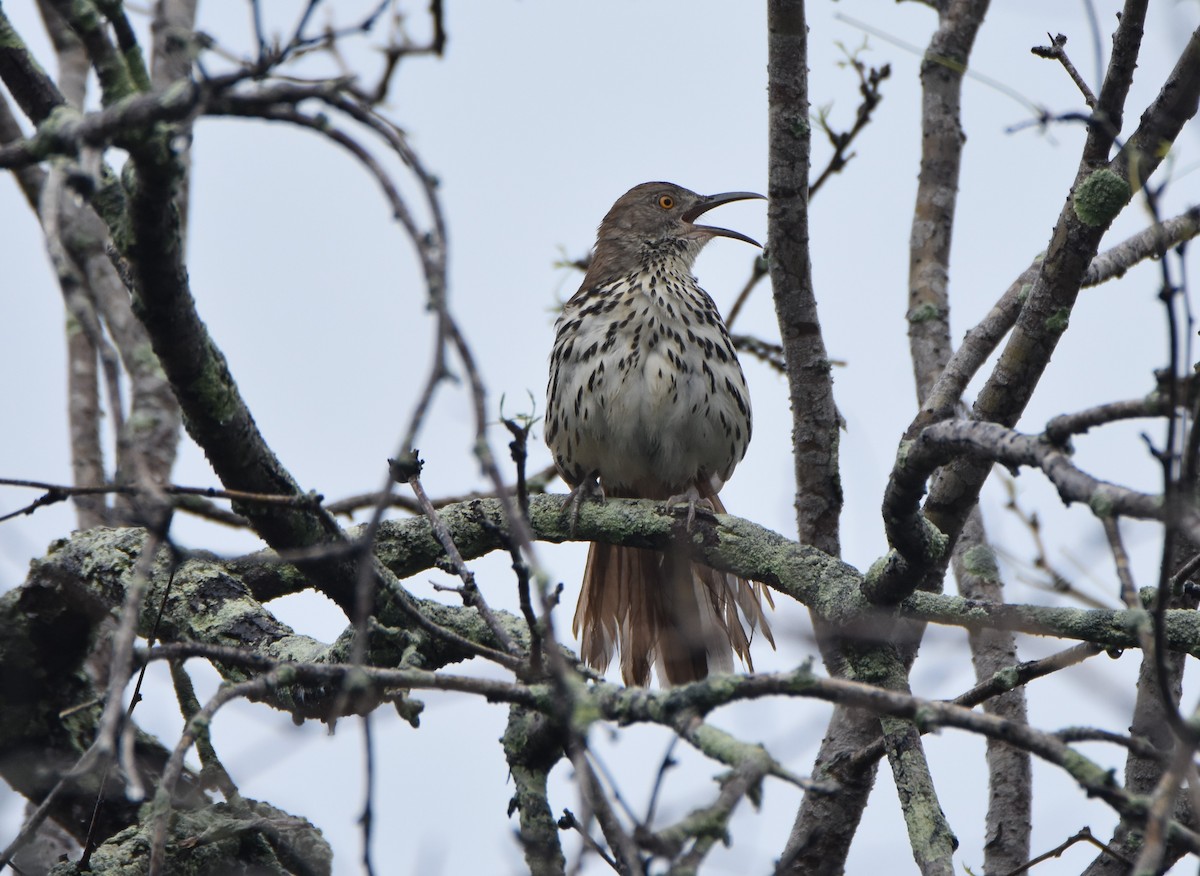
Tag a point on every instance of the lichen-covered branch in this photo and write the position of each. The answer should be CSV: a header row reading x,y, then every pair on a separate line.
x,y
982,339
815,420
95,566
1099,194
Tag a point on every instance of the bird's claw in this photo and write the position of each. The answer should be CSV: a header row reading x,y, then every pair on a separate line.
x,y
588,488
694,503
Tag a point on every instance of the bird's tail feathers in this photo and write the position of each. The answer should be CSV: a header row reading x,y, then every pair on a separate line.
x,y
659,608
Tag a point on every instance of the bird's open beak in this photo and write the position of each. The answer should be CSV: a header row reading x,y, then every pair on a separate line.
x,y
716,201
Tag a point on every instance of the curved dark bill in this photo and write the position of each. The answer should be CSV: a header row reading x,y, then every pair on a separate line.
x,y
716,201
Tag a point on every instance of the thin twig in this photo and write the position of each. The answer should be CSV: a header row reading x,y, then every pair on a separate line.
x,y
869,81
1178,479
569,821
1084,836
1060,428
518,448
1056,51
212,770
535,483
470,593
61,492
625,853
367,818
665,764
174,766
1135,744
1002,681
1129,591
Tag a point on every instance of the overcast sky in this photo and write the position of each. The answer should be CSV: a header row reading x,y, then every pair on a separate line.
x,y
539,116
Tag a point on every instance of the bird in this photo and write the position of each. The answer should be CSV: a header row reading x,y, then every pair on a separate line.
x,y
646,399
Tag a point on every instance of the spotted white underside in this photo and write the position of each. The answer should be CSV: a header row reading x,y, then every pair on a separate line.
x,y
645,389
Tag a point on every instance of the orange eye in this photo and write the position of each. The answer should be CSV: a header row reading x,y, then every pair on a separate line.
x,y
666,202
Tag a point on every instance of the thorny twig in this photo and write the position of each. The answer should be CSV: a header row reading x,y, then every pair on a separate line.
x,y
766,351
1057,51
61,492
870,81
534,483
410,471
518,449
1083,836
569,821
1055,581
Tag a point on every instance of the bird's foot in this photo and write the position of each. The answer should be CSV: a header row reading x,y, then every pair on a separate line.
x,y
695,502
588,488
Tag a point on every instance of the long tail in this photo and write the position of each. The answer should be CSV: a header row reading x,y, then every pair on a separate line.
x,y
659,608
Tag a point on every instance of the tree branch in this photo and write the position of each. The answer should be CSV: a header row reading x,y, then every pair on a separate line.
x,y
815,420
1043,317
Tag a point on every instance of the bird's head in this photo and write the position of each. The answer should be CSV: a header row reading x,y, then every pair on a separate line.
x,y
659,218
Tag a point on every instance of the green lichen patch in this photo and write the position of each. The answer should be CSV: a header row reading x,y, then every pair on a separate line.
x,y
875,572
1101,504
213,386
1100,197
924,313
1009,678
1058,321
980,561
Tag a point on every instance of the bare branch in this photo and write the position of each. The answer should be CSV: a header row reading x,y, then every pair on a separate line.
x,y
471,596
1084,835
